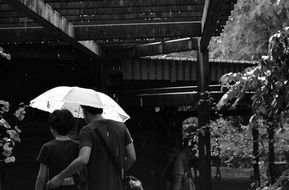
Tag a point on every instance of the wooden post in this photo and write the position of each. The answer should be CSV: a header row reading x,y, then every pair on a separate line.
x,y
271,151
0,176
255,134
204,118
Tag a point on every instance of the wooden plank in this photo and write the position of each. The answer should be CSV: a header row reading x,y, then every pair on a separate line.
x,y
136,69
211,14
137,30
91,45
194,72
180,70
136,17
173,71
165,47
45,52
24,21
125,10
159,70
146,10
187,70
121,3
167,70
43,14
145,70
27,35
131,31
80,16
152,70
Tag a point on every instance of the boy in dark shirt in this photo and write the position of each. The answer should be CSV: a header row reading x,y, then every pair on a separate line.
x,y
57,154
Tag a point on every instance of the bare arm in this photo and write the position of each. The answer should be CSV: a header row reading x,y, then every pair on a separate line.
x,y
41,177
130,155
74,166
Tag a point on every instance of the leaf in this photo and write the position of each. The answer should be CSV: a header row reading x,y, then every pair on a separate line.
x,y
222,101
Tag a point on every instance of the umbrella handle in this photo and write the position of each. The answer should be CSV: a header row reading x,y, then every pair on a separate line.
x,y
76,123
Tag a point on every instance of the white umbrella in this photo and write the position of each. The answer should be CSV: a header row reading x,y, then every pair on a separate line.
x,y
64,97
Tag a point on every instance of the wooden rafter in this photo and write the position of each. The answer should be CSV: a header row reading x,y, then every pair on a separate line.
x,y
122,18
116,23
139,30
47,17
120,3
211,14
111,32
165,47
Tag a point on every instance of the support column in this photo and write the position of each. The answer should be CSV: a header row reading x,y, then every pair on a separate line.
x,y
0,177
272,170
204,118
255,134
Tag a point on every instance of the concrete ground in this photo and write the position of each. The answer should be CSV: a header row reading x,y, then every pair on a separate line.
x,y
231,183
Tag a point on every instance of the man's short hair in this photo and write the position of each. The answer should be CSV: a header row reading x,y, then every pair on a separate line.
x,y
92,110
61,121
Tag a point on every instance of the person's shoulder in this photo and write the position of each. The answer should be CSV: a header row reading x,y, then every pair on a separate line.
x,y
50,143
73,141
111,123
87,127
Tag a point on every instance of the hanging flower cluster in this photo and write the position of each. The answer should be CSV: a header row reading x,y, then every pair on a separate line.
x,y
9,135
5,55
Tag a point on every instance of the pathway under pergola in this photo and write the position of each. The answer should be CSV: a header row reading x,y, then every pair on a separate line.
x,y
104,31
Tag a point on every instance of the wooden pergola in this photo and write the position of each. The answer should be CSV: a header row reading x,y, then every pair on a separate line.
x,y
93,26
102,29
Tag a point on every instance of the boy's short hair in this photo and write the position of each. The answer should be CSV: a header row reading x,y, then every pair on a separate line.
x,y
61,121
92,110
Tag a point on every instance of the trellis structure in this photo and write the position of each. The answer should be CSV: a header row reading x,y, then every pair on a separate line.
x,y
102,29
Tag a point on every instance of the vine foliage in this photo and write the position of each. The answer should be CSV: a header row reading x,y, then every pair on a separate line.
x,y
268,81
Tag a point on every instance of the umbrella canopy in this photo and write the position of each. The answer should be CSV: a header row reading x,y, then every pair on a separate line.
x,y
65,97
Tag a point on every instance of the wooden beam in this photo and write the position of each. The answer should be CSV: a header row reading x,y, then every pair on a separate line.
x,y
141,33
27,34
120,3
90,11
47,17
109,19
179,29
109,32
211,15
45,51
165,47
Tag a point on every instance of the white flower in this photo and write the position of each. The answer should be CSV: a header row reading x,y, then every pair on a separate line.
x,y
10,159
17,129
20,113
6,153
7,146
5,123
13,135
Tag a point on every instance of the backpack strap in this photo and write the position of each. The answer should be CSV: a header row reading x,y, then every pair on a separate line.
x,y
109,152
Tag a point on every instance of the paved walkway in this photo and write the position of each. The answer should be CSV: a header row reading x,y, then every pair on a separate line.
x,y
233,183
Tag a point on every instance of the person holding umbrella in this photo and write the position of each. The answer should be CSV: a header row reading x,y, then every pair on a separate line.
x,y
102,173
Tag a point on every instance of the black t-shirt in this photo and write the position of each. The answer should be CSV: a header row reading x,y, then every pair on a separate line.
x,y
101,172
57,155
